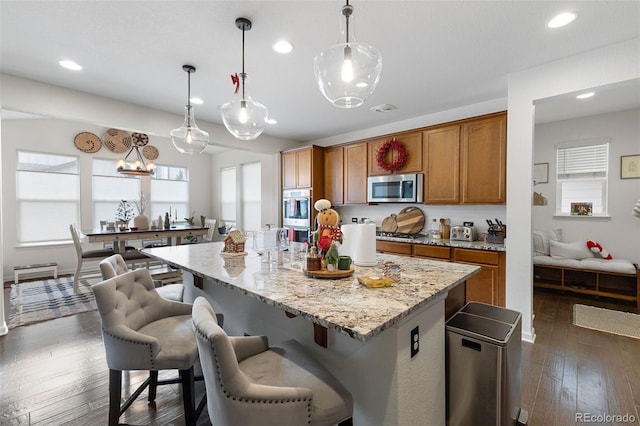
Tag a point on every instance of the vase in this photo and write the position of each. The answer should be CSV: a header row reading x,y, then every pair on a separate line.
x,y
141,221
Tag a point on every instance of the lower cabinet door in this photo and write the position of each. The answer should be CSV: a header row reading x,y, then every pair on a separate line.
x,y
483,287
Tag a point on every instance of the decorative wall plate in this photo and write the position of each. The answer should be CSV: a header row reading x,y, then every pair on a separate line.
x,y
87,142
139,139
117,140
150,152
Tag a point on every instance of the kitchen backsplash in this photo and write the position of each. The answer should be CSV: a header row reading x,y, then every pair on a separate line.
x,y
457,214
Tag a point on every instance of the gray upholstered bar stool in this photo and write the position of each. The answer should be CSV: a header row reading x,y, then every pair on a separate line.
x,y
143,331
116,265
249,383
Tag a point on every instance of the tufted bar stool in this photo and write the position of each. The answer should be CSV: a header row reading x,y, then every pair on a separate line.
x,y
116,265
250,383
143,331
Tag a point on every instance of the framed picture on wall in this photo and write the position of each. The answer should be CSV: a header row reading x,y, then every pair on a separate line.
x,y
541,173
630,166
581,209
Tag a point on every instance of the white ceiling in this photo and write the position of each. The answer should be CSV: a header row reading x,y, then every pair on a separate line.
x,y
437,55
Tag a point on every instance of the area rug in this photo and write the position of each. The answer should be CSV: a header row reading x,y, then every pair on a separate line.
x,y
616,322
37,301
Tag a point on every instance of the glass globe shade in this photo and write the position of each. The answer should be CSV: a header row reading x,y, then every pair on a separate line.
x,y
244,119
188,138
348,73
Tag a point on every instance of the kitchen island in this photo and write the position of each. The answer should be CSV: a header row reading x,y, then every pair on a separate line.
x,y
369,337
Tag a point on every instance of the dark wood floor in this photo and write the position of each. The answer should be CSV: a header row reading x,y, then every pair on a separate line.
x,y
54,373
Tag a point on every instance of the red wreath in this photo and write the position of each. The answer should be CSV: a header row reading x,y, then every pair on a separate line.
x,y
392,145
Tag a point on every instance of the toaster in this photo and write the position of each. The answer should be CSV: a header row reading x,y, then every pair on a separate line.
x,y
463,233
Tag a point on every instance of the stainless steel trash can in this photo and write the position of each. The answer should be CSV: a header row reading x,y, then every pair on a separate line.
x,y
483,344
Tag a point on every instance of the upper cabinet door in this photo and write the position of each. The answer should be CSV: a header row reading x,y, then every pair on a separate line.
x,y
441,152
304,168
412,142
484,160
355,173
289,170
333,174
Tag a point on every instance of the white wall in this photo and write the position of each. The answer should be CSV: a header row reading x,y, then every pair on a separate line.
x,y
611,64
620,233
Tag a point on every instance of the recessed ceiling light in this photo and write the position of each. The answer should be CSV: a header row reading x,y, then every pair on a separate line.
x,y
272,121
283,46
585,95
561,20
70,65
383,108
196,101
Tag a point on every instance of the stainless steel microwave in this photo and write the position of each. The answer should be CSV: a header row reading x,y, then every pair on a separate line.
x,y
395,188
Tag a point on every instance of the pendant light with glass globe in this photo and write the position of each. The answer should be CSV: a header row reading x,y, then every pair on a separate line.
x,y
245,118
188,138
348,73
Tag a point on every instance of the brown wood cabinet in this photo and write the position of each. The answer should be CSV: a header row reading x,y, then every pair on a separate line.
x,y
487,286
412,143
304,168
441,154
346,174
334,174
483,160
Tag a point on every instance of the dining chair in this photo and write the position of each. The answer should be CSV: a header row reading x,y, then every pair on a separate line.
x,y
130,256
250,383
143,331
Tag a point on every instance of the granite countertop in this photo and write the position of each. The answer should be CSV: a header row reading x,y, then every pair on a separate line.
x,y
475,245
342,304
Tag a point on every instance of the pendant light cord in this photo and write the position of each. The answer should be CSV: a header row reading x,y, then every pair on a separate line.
x,y
243,74
347,10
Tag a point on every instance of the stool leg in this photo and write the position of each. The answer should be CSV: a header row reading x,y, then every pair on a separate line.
x,y
188,396
115,389
153,385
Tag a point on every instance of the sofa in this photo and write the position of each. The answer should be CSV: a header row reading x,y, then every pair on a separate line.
x,y
574,267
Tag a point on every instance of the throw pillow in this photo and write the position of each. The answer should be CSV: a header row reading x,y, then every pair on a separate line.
x,y
575,250
597,249
541,241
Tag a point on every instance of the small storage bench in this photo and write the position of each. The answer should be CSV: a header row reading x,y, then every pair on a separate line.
x,y
39,267
616,278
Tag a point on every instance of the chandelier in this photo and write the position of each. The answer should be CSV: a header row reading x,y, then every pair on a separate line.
x,y
136,166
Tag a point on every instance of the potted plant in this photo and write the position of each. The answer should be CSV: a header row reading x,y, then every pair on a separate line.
x,y
124,214
331,258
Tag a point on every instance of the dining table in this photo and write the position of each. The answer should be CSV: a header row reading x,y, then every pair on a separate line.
x,y
172,235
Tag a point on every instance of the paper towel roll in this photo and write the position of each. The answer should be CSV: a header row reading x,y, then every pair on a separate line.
x,y
348,237
363,247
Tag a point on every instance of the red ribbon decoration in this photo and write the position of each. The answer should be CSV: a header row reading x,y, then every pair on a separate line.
x,y
235,80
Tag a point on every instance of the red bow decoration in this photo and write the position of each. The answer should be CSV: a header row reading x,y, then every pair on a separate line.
x,y
235,80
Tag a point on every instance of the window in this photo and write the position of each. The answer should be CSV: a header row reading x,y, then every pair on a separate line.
x,y
582,173
228,195
251,196
109,188
169,193
48,196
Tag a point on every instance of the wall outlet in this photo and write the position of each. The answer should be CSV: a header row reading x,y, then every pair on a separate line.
x,y
354,219
415,341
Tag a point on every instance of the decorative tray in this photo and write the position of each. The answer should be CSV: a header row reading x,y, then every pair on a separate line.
x,y
331,275
231,254
375,282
